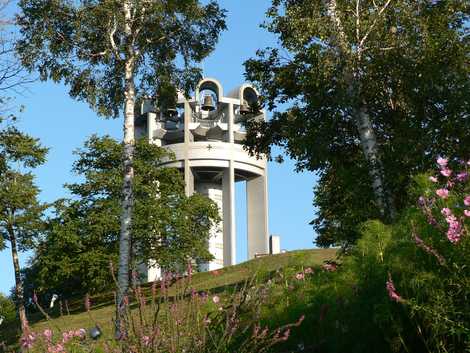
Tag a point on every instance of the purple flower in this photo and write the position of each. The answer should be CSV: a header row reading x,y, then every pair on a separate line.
x,y
433,179
392,292
466,213
421,201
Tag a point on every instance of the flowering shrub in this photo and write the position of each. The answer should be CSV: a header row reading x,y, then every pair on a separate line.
x,y
434,277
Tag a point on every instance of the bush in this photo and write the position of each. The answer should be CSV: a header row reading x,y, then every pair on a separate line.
x,y
421,267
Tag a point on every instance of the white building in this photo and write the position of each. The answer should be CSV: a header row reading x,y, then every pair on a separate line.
x,y
206,135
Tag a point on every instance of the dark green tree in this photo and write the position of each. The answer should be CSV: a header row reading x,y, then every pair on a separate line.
x,y
111,51
82,237
371,90
21,212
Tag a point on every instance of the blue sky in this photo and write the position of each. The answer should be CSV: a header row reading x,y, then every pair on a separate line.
x,y
64,124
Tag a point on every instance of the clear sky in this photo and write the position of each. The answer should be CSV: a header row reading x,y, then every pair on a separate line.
x,y
64,124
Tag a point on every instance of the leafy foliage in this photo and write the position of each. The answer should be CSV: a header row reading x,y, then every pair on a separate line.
x,y
409,65
82,236
7,310
85,45
21,212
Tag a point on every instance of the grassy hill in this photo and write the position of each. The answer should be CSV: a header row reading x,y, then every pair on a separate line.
x,y
74,315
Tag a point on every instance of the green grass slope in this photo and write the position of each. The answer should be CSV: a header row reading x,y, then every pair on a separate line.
x,y
73,315
215,282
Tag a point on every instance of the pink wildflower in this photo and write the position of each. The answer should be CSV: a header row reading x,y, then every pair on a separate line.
x,y
433,179
455,229
67,336
215,299
466,200
48,334
58,348
466,213
330,267
442,161
446,172
442,193
446,212
146,341
286,335
81,333
462,176
392,292
308,270
300,276
27,341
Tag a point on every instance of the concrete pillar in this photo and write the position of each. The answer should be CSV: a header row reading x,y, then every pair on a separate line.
x,y
257,217
188,173
188,179
228,183
216,245
275,244
230,245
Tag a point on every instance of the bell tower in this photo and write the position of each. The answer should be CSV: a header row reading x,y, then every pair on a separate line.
x,y
206,134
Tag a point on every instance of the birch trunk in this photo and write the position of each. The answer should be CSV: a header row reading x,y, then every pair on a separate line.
x,y
359,112
370,150
128,156
18,284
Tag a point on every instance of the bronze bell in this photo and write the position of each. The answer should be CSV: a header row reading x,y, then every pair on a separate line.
x,y
208,104
245,108
171,112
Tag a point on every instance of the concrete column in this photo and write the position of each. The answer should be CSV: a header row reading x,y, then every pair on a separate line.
x,y
188,173
230,245
188,179
257,209
231,121
151,126
228,183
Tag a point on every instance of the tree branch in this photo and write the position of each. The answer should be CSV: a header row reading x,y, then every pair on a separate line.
x,y
361,43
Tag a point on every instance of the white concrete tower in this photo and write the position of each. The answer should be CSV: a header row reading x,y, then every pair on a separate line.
x,y
206,137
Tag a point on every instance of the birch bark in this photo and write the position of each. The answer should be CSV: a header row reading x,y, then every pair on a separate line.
x,y
359,112
18,283
128,156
